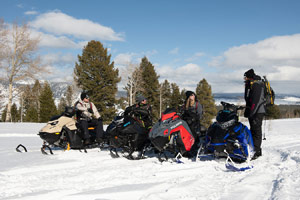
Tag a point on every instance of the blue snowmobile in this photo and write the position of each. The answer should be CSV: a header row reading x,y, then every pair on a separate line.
x,y
228,138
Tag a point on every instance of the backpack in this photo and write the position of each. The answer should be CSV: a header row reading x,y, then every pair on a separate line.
x,y
269,93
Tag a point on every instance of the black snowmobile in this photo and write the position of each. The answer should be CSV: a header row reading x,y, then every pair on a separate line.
x,y
127,135
64,132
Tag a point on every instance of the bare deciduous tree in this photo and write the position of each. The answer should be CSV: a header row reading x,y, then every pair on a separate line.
x,y
18,57
134,81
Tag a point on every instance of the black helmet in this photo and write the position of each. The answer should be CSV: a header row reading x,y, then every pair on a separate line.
x,y
84,95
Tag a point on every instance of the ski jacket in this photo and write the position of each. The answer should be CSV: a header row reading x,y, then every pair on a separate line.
x,y
141,113
196,109
86,110
254,97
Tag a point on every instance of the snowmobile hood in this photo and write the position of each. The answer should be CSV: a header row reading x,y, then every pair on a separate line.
x,y
56,126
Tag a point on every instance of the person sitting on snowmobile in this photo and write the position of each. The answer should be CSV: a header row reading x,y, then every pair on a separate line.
x,y
192,112
141,111
85,112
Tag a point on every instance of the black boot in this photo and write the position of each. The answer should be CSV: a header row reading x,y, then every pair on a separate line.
x,y
99,140
256,155
87,141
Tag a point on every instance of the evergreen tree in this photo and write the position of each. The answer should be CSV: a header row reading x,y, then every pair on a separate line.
x,y
48,108
62,104
150,85
30,103
297,112
182,97
14,113
27,99
205,97
69,96
96,75
175,97
36,92
31,115
273,112
165,95
3,115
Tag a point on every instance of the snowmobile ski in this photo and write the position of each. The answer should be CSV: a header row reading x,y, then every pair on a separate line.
x,y
230,164
18,148
44,147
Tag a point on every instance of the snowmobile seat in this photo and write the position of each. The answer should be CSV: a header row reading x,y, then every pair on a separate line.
x,y
69,111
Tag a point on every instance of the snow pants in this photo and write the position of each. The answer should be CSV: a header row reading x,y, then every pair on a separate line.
x,y
256,130
92,123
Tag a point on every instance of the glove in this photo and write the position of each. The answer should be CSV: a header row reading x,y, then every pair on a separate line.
x,y
99,119
247,112
90,111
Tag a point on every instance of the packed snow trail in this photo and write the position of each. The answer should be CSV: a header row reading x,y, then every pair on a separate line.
x,y
95,175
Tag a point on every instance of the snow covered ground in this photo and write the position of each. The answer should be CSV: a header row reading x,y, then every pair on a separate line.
x,y
95,175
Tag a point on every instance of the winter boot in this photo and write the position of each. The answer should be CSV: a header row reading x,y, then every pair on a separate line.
x,y
256,155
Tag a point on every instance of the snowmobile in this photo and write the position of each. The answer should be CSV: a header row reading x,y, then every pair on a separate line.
x,y
64,132
228,138
127,135
171,136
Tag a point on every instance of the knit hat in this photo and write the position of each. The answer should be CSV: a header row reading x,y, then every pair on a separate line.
x,y
249,74
84,95
189,93
140,98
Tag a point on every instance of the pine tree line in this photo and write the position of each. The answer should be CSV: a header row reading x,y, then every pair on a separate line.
x,y
143,79
96,74
37,104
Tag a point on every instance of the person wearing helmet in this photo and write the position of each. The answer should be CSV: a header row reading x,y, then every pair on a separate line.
x,y
141,111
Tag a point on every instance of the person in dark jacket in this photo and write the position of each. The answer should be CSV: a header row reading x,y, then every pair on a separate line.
x,y
255,108
141,111
88,116
192,112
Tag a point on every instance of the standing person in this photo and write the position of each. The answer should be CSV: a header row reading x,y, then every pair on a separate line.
x,y
86,110
255,108
141,111
192,112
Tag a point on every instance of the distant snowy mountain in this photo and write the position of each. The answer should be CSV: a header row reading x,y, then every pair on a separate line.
x,y
238,98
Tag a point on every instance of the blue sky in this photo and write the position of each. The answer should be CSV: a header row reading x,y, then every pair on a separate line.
x,y
185,40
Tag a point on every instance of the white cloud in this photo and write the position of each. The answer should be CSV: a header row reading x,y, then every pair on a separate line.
x,y
285,73
59,59
195,56
52,41
174,51
124,58
58,74
150,53
271,52
31,12
187,76
59,23
277,57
